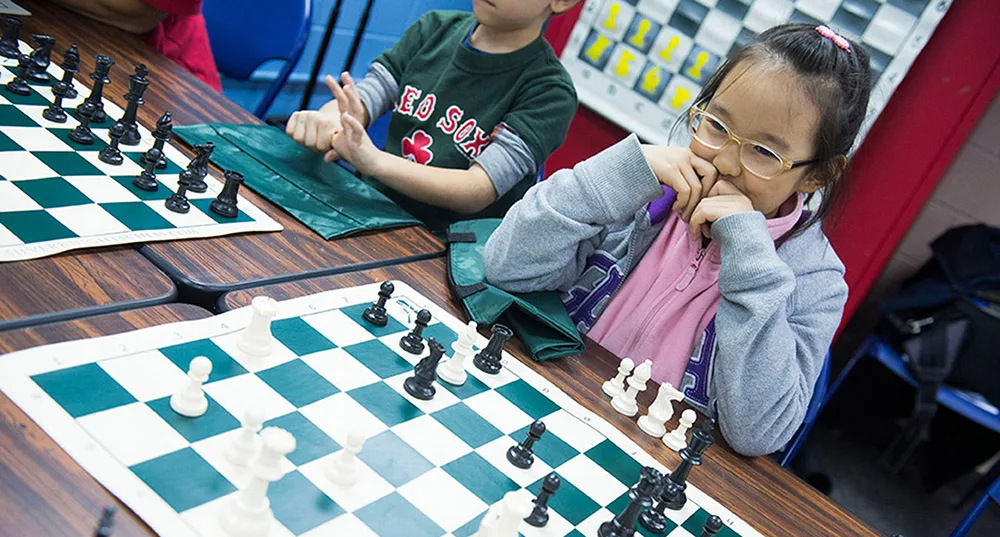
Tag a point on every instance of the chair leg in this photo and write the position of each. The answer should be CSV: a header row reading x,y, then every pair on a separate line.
x,y
863,350
983,483
970,518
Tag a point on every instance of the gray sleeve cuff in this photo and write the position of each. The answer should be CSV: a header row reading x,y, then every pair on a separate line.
x,y
378,89
621,179
507,160
747,251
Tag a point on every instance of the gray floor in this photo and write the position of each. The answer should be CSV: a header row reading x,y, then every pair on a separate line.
x,y
891,504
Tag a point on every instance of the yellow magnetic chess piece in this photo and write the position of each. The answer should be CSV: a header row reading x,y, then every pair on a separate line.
x,y
613,12
597,48
680,97
695,72
651,80
622,67
639,38
668,50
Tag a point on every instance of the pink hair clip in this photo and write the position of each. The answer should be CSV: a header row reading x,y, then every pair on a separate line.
x,y
837,39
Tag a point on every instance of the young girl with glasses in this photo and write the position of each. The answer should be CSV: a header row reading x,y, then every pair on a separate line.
x,y
702,259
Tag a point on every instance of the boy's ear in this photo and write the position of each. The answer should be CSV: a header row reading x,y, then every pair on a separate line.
x,y
562,6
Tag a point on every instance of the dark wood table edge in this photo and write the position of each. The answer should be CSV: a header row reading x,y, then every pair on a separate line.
x,y
88,311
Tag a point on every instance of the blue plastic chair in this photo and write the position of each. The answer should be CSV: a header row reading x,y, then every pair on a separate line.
x,y
812,412
993,494
245,34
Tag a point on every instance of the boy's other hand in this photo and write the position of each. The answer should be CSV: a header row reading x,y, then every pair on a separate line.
x,y
687,174
313,130
355,146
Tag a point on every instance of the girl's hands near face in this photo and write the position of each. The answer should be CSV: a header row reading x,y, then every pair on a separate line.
x,y
687,174
723,199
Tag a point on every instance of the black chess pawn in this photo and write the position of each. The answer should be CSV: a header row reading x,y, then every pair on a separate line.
x,y
522,455
421,384
82,133
225,203
55,112
488,359
375,314
111,154
70,67
539,516
147,179
94,104
161,135
655,519
19,84
178,202
197,169
713,525
9,45
106,525
41,56
137,84
640,498
413,342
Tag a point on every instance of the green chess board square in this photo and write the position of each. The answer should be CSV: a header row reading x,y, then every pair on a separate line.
x,y
136,157
34,98
35,226
442,334
137,216
570,502
311,442
63,134
83,389
67,163
53,192
6,144
533,402
160,193
551,449
393,516
472,386
10,116
300,337
468,425
694,523
300,384
223,365
215,420
616,462
385,404
480,477
378,357
471,527
354,313
203,204
393,459
197,484
299,505
13,70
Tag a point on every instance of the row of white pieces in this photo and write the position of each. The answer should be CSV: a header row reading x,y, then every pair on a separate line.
x,y
623,400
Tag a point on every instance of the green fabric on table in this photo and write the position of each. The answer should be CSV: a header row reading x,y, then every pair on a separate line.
x,y
324,196
539,319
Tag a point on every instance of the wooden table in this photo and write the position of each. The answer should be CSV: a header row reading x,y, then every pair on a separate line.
x,y
759,491
42,490
221,263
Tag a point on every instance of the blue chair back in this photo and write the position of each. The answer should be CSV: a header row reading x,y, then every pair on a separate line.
x,y
812,412
992,494
245,34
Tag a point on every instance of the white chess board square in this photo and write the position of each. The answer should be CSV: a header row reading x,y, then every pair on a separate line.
x,y
7,238
657,10
205,519
615,27
21,165
339,414
594,521
718,32
432,440
503,378
341,369
500,412
101,188
670,49
88,220
338,328
496,453
35,113
443,499
442,399
369,487
392,341
592,480
346,525
126,168
764,14
819,9
679,95
237,393
146,375
625,64
35,139
213,450
132,433
279,353
572,430
889,28
681,515
708,3
14,199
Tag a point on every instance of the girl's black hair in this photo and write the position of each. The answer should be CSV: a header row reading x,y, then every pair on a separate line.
x,y
839,84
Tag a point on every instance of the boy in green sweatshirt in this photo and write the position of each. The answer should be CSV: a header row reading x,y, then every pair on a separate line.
x,y
479,101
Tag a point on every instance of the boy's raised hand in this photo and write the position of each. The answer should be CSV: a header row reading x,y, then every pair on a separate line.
x,y
687,174
723,199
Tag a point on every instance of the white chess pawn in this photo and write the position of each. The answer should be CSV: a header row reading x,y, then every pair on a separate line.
x,y
344,469
654,423
191,400
250,513
624,403
677,438
616,385
256,339
246,443
504,519
453,370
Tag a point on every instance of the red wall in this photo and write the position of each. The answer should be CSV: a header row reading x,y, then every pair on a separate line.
x,y
906,152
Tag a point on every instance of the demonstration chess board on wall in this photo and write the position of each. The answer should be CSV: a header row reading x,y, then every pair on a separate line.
x,y
641,63
427,469
55,195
